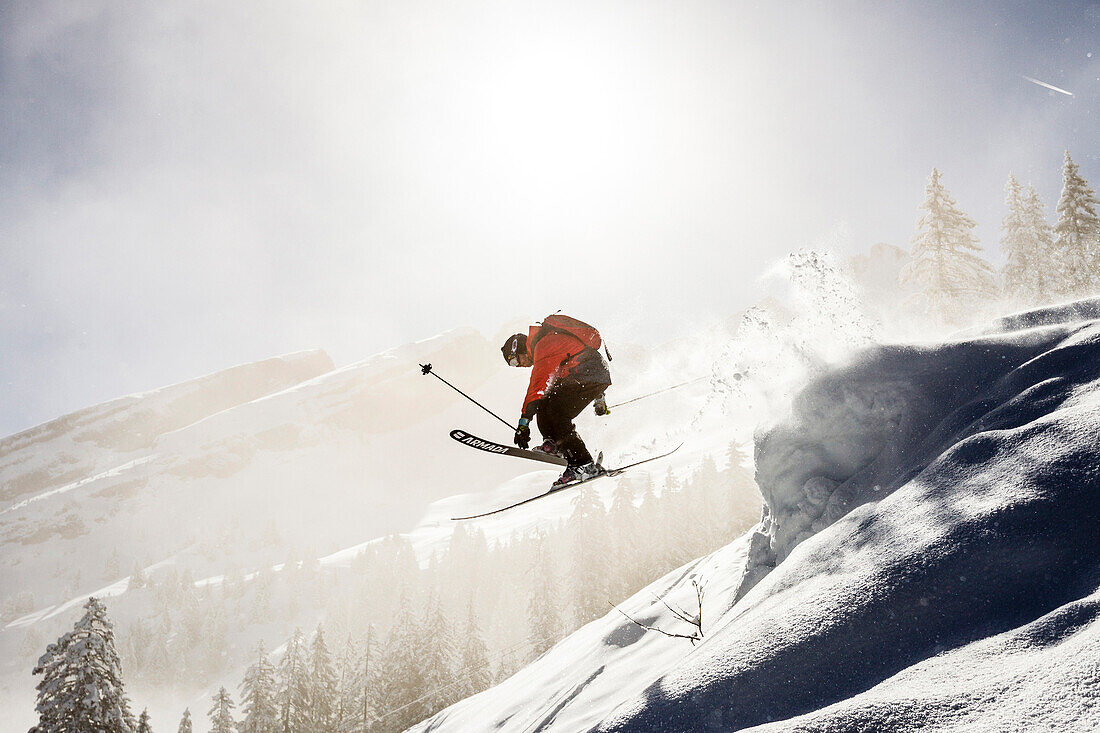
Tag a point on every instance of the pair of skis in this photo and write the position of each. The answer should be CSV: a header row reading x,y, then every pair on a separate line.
x,y
507,450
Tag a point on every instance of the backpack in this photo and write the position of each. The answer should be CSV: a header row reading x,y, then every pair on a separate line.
x,y
568,326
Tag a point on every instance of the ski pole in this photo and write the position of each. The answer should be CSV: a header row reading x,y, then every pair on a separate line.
x,y
660,391
426,369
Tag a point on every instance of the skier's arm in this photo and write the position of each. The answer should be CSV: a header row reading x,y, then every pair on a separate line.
x,y
542,372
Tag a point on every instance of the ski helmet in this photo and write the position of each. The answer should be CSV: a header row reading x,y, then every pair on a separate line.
x,y
513,347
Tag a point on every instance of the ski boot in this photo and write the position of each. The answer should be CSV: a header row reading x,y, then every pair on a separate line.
x,y
549,447
576,474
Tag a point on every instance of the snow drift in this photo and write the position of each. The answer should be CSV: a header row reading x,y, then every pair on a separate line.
x,y
927,558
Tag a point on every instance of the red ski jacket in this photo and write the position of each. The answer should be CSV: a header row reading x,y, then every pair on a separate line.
x,y
562,348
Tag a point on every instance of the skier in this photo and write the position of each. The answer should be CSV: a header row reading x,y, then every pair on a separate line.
x,y
568,374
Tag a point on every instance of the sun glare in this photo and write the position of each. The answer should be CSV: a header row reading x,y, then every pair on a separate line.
x,y
560,125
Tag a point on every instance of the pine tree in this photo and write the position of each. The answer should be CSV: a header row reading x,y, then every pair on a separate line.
x,y
439,658
137,577
625,524
744,495
350,690
474,659
1017,245
651,526
507,665
544,622
707,515
81,688
322,685
1078,232
261,714
143,722
158,661
221,714
588,573
111,567
1034,273
185,722
370,680
293,681
401,671
1047,276
946,276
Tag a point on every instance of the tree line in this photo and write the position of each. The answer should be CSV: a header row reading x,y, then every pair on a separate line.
x,y
411,637
1045,263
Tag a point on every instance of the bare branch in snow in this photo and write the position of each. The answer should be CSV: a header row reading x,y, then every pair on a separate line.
x,y
696,621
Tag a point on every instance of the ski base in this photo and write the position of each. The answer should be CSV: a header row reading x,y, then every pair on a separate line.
x,y
570,485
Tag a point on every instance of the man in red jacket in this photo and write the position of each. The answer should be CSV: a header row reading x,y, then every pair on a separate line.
x,y
568,374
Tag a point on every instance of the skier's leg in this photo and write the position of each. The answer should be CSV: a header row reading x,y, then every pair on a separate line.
x,y
555,419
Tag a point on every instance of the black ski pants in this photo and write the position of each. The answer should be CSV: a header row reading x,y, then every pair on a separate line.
x,y
555,416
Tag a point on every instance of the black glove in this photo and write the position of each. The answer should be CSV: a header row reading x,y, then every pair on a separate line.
x,y
600,406
523,433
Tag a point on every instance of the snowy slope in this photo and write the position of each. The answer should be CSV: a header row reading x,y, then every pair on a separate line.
x,y
84,443
288,448
285,448
331,458
928,559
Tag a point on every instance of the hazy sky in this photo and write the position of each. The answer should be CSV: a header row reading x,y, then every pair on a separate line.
x,y
189,186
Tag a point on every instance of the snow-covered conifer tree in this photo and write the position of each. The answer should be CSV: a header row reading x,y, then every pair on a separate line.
x,y
467,554
708,513
945,274
159,668
1078,232
544,621
81,687
1017,245
322,685
111,567
588,574
507,665
261,602
651,552
401,671
474,659
1047,275
627,551
293,686
185,722
258,704
137,577
742,492
439,657
371,700
143,725
1033,273
350,690
221,714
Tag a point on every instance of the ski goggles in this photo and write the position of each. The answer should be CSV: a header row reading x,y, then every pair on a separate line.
x,y
513,360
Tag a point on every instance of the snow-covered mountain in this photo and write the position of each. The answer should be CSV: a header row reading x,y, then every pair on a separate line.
x,y
287,443
232,472
225,471
928,559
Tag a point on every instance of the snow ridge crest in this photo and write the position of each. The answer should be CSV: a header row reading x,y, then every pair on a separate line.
x,y
858,433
